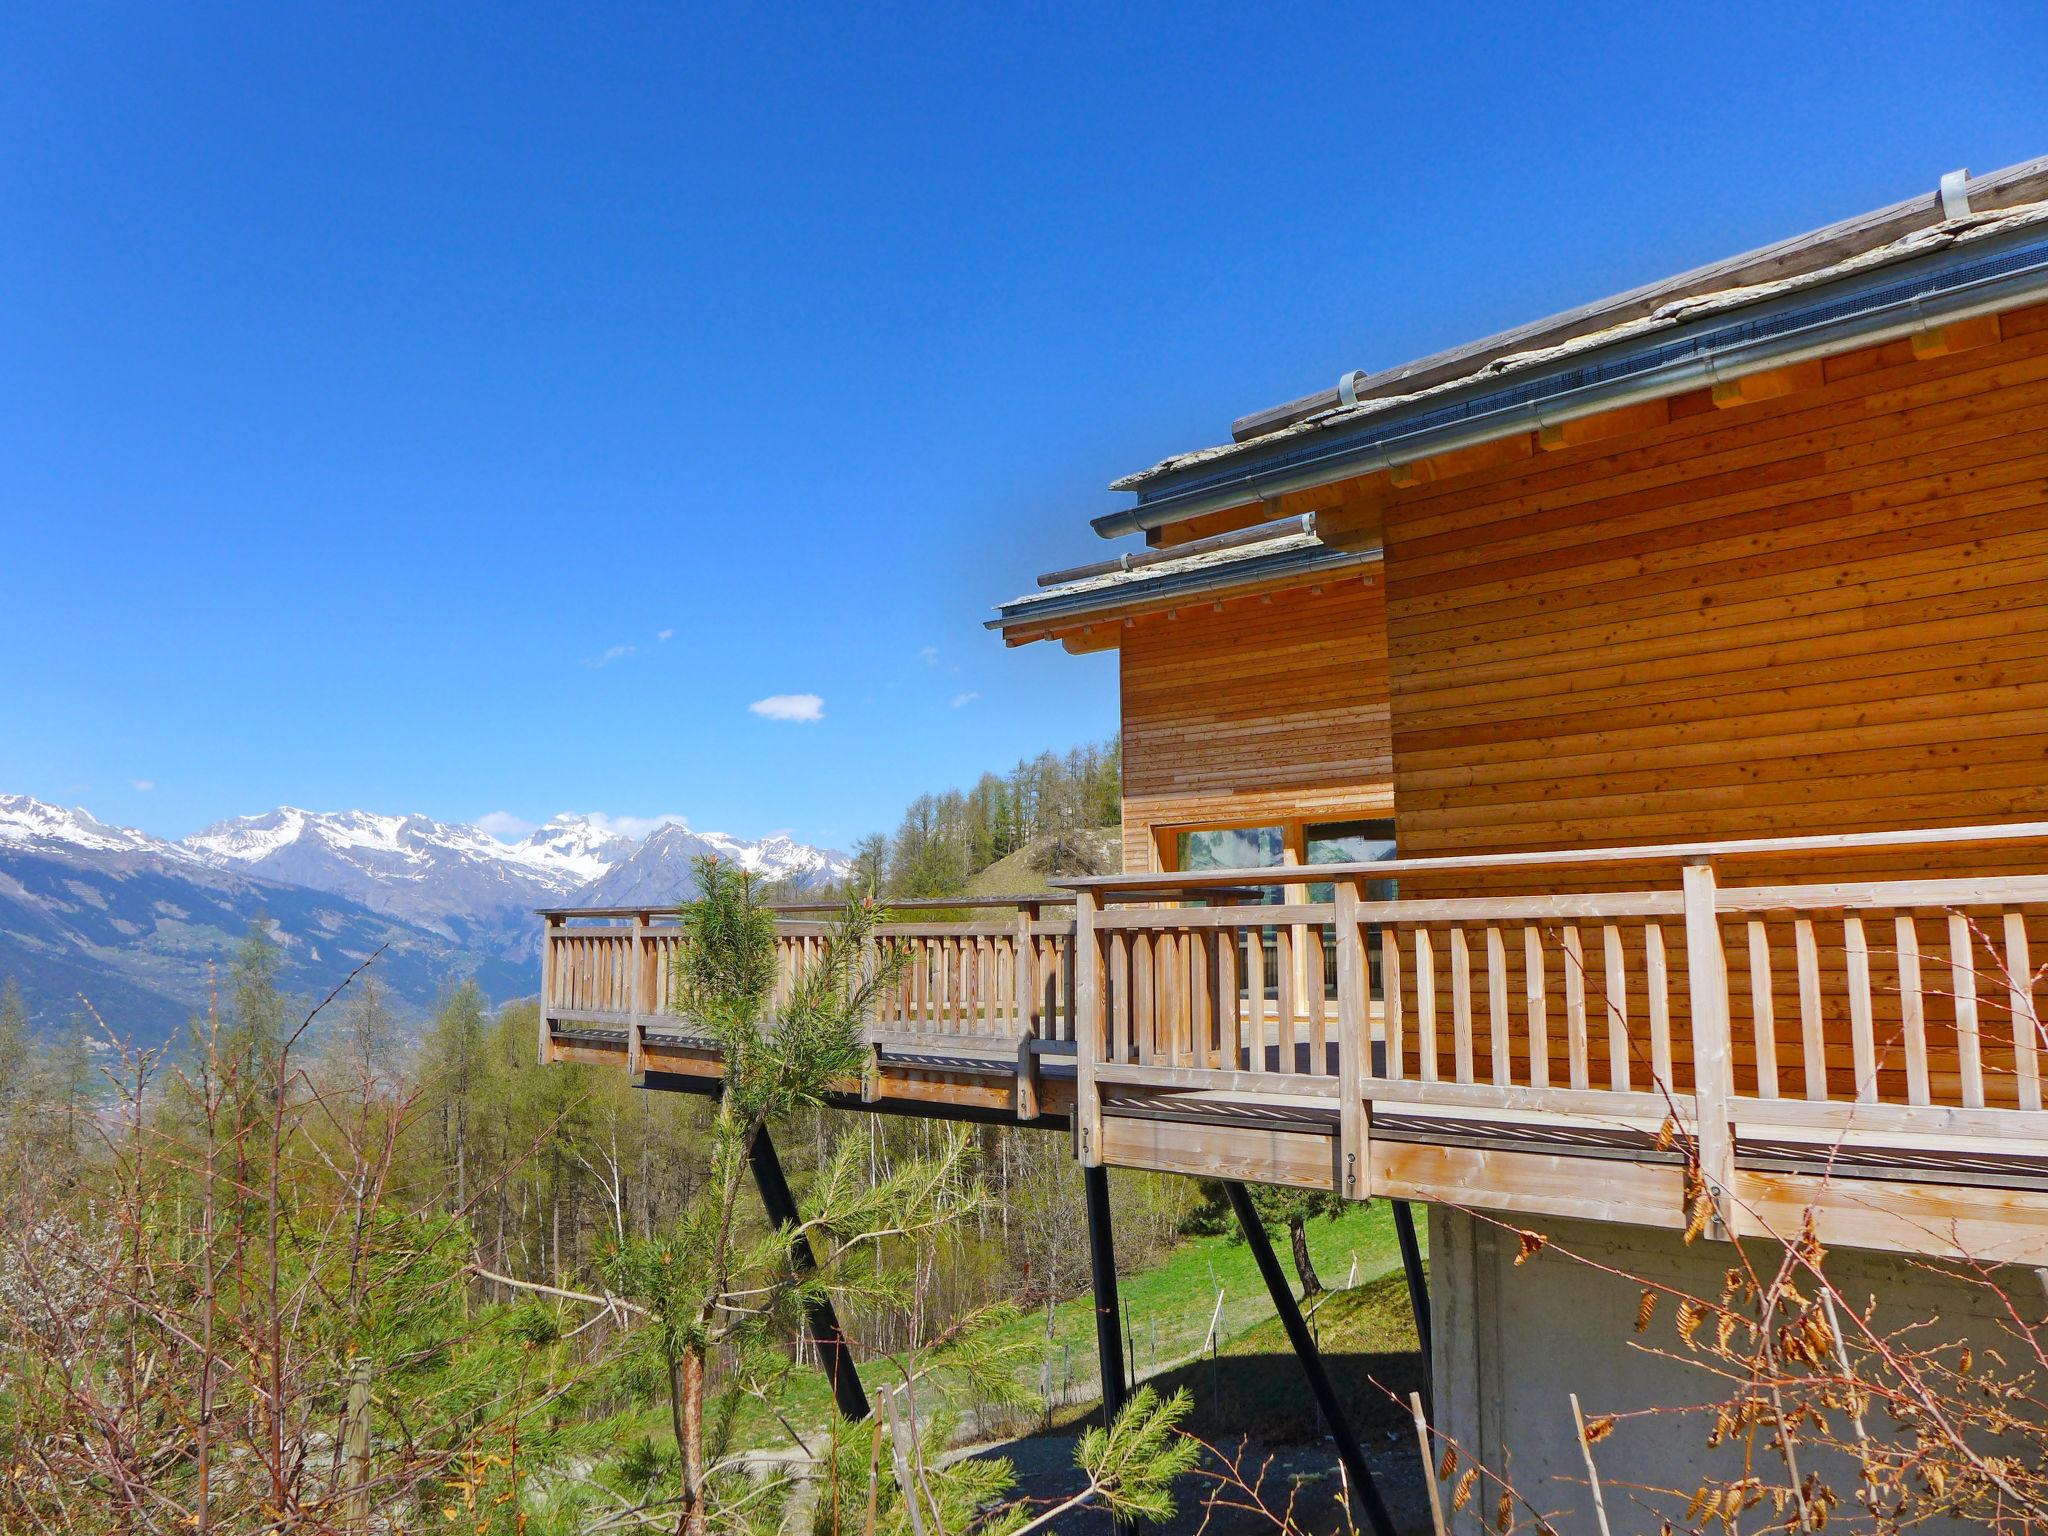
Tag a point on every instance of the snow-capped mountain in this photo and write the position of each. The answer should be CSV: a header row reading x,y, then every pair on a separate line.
x,y
456,880
460,881
658,873
143,929
28,822
133,921
578,846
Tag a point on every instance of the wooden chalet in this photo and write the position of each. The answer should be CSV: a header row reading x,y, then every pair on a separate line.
x,y
1604,755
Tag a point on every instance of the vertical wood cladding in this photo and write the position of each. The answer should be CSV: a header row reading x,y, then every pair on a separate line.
x,y
1264,711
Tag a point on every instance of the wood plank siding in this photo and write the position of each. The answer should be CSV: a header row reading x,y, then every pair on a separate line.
x,y
1819,611
1256,712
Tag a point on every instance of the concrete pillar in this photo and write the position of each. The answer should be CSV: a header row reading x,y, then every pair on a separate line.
x,y
1512,1342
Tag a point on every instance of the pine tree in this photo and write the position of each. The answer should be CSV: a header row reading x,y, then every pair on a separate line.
x,y
709,1289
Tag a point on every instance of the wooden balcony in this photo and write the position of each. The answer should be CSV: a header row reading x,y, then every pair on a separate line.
x,y
1552,1034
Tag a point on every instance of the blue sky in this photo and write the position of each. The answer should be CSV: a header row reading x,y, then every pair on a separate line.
x,y
477,409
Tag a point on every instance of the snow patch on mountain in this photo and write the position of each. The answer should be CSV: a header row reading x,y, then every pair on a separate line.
x,y
30,822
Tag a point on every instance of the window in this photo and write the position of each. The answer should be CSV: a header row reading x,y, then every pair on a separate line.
x,y
1331,842
1350,842
1353,842
1233,848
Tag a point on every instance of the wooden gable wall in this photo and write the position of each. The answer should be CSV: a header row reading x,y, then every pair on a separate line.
x,y
1261,711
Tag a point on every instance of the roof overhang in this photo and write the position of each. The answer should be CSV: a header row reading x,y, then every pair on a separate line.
x,y
1090,614
1930,280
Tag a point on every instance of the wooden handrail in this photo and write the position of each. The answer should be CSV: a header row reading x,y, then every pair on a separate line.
x,y
907,904
1167,885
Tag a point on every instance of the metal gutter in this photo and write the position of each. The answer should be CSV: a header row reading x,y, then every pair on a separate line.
x,y
1957,283
1311,560
1959,195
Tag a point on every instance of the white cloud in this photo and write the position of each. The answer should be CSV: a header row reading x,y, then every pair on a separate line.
x,y
664,634
503,824
929,655
635,827
616,653
962,700
802,708
145,785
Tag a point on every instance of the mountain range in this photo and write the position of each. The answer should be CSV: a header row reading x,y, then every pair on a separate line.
x,y
139,926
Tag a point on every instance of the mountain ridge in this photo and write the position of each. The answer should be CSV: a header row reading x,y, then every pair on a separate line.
x,y
120,914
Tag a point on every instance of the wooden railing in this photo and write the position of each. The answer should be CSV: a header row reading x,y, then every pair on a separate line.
x,y
1903,1006
1004,978
1723,987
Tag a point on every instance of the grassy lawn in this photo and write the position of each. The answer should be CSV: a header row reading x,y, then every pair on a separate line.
x,y
1167,1309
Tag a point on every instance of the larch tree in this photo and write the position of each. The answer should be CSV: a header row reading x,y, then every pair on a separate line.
x,y
715,1286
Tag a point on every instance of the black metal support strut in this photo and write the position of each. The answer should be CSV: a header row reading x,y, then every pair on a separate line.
x,y
821,1318
1418,1294
1348,1449
1109,1344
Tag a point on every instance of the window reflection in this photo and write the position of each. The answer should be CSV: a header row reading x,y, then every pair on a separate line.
x,y
1334,842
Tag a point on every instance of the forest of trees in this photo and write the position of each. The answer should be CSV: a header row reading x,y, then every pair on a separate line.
x,y
299,1271
945,839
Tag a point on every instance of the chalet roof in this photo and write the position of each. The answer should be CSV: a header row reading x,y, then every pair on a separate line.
x,y
1965,213
1296,556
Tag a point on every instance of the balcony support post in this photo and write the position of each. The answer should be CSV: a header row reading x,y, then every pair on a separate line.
x,y
1349,1452
1109,1345
1418,1294
1713,1071
821,1319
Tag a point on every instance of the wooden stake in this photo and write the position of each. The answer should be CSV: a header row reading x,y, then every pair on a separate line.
x,y
1592,1472
1436,1503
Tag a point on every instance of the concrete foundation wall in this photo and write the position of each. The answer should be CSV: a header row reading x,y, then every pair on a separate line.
x,y
1512,1343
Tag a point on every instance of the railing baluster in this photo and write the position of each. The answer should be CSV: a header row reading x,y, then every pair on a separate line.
x,y
2026,1023
1144,1011
1425,1003
1962,961
1231,1016
1283,950
1203,981
1390,989
1657,988
1120,993
1617,1009
1316,999
1763,1009
1576,1048
1497,1007
1812,1040
1184,998
1461,1006
1862,1030
1255,995
1912,1008
1536,990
